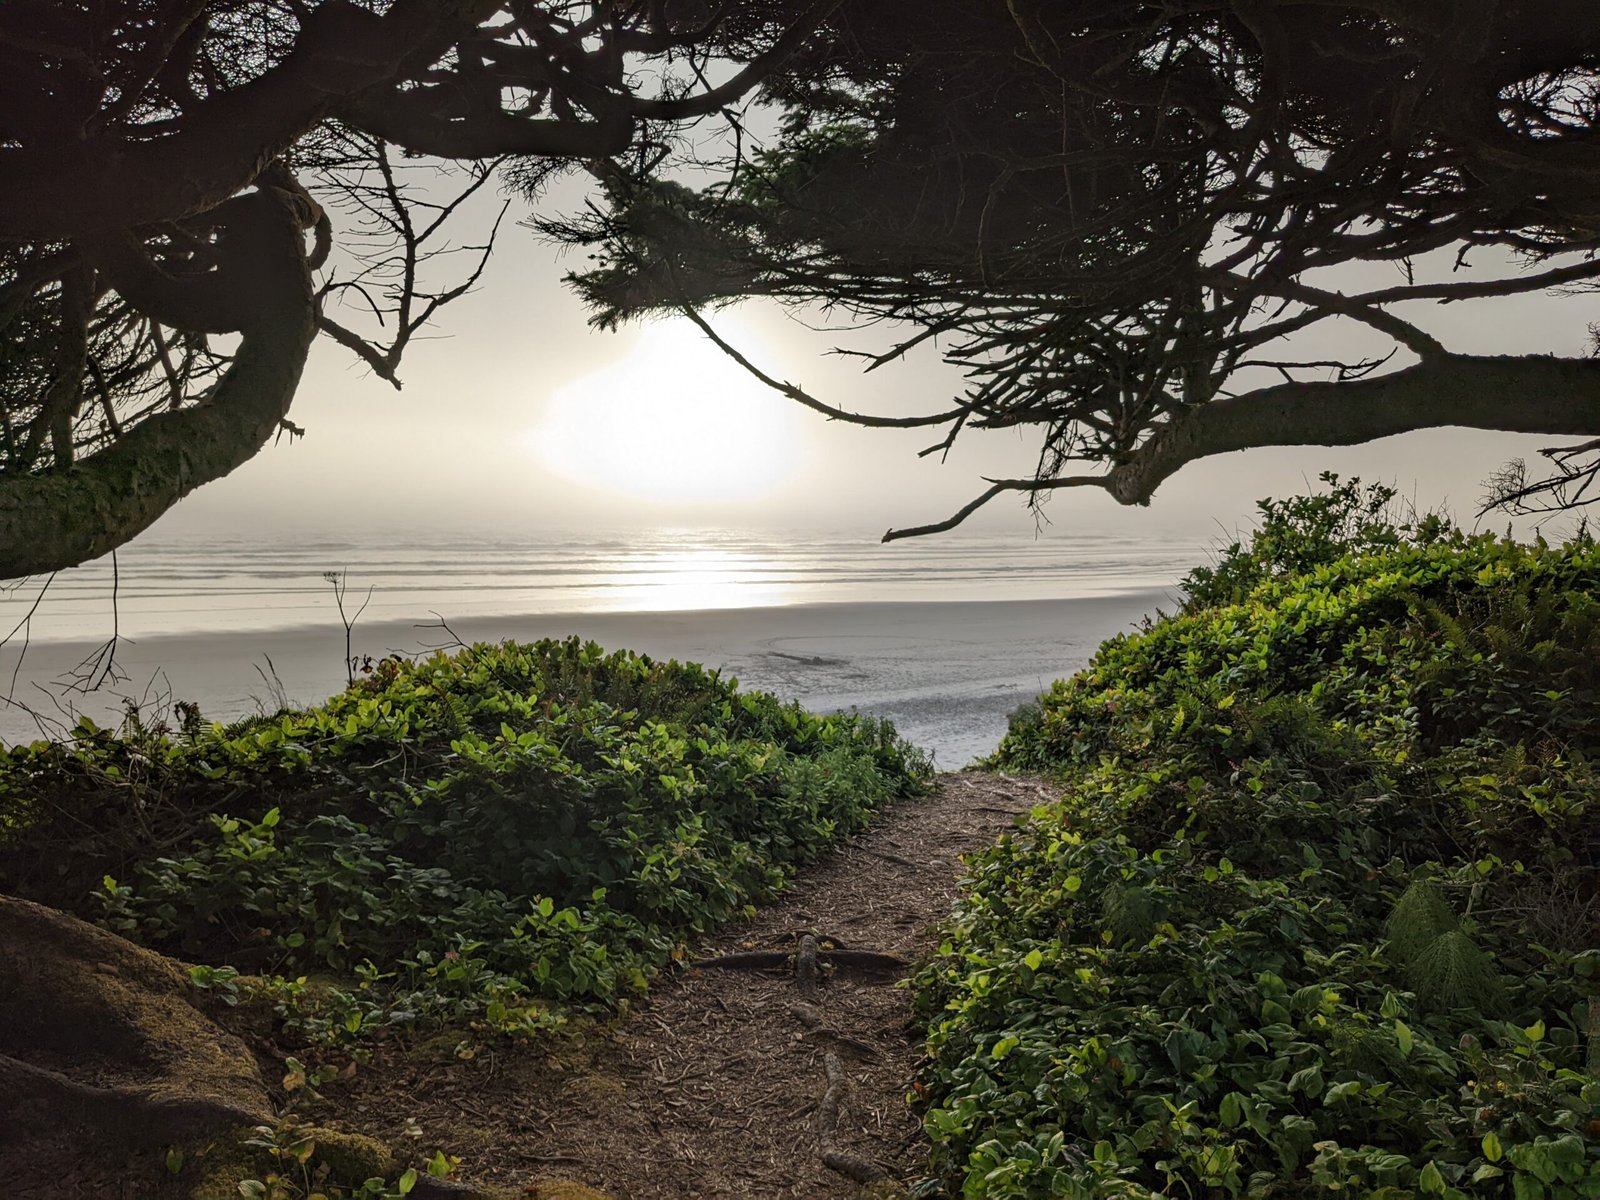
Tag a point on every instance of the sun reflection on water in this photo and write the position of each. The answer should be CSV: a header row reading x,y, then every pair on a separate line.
x,y
690,576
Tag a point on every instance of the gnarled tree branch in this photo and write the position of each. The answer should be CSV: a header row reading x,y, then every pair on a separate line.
x,y
1512,394
48,521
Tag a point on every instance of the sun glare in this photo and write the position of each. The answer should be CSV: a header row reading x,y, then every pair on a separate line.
x,y
674,421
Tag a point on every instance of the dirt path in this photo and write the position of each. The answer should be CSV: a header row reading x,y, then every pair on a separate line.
x,y
718,1086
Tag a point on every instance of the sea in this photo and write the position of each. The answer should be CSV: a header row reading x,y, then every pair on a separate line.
x,y
948,632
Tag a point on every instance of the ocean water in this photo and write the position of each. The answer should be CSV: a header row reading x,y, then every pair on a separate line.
x,y
220,584
943,635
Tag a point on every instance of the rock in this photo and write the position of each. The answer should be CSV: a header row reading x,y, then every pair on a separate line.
x,y
98,1031
349,1159
103,1056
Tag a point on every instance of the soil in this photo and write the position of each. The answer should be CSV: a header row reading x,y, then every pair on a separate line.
x,y
718,1085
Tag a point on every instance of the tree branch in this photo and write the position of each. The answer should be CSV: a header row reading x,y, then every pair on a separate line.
x,y
111,182
60,519
1534,394
395,118
800,396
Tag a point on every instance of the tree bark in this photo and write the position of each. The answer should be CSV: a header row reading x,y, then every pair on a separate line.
x,y
1525,394
60,519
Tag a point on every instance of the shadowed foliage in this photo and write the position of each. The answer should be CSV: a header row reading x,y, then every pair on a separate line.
x,y
163,164
1134,225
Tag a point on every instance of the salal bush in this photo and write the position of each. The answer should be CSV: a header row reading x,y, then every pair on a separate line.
x,y
1318,912
500,834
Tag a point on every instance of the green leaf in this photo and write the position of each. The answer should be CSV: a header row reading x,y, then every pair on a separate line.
x,y
1307,1080
1340,1092
1004,1047
1402,1034
1230,1111
1491,1147
1033,959
174,1160
406,1182
1430,1180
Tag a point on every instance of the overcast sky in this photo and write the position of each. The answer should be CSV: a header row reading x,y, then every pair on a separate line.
x,y
517,417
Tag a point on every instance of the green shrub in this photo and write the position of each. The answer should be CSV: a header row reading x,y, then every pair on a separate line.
x,y
481,836
1319,912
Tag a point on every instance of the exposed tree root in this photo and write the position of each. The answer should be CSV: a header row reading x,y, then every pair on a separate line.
x,y
131,1110
808,1015
857,1168
823,949
755,960
806,961
807,976
870,960
856,1046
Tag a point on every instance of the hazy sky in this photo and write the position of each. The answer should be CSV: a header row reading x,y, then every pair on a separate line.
x,y
516,416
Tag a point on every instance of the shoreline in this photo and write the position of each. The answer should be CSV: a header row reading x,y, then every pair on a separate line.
x,y
945,671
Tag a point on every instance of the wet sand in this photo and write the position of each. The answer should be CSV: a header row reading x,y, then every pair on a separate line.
x,y
946,673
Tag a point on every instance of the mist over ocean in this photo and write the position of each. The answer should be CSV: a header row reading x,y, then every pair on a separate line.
x,y
942,634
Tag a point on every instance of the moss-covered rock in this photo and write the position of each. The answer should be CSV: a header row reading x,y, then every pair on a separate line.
x,y
94,1029
338,1159
351,1158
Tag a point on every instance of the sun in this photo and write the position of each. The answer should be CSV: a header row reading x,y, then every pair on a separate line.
x,y
673,421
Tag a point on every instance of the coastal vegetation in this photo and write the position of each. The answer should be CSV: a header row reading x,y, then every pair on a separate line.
x,y
496,838
1318,910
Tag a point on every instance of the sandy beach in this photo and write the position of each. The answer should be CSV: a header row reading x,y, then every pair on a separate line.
x,y
946,673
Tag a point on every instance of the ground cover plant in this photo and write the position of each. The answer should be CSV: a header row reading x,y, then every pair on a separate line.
x,y
1318,912
491,839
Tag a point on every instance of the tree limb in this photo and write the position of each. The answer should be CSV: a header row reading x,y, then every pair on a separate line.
x,y
800,396
60,519
1533,394
111,182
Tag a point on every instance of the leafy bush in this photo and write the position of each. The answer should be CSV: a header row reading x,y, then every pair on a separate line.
x,y
1319,912
478,836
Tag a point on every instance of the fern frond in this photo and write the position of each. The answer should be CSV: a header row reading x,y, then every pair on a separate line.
x,y
1420,916
456,712
1452,972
